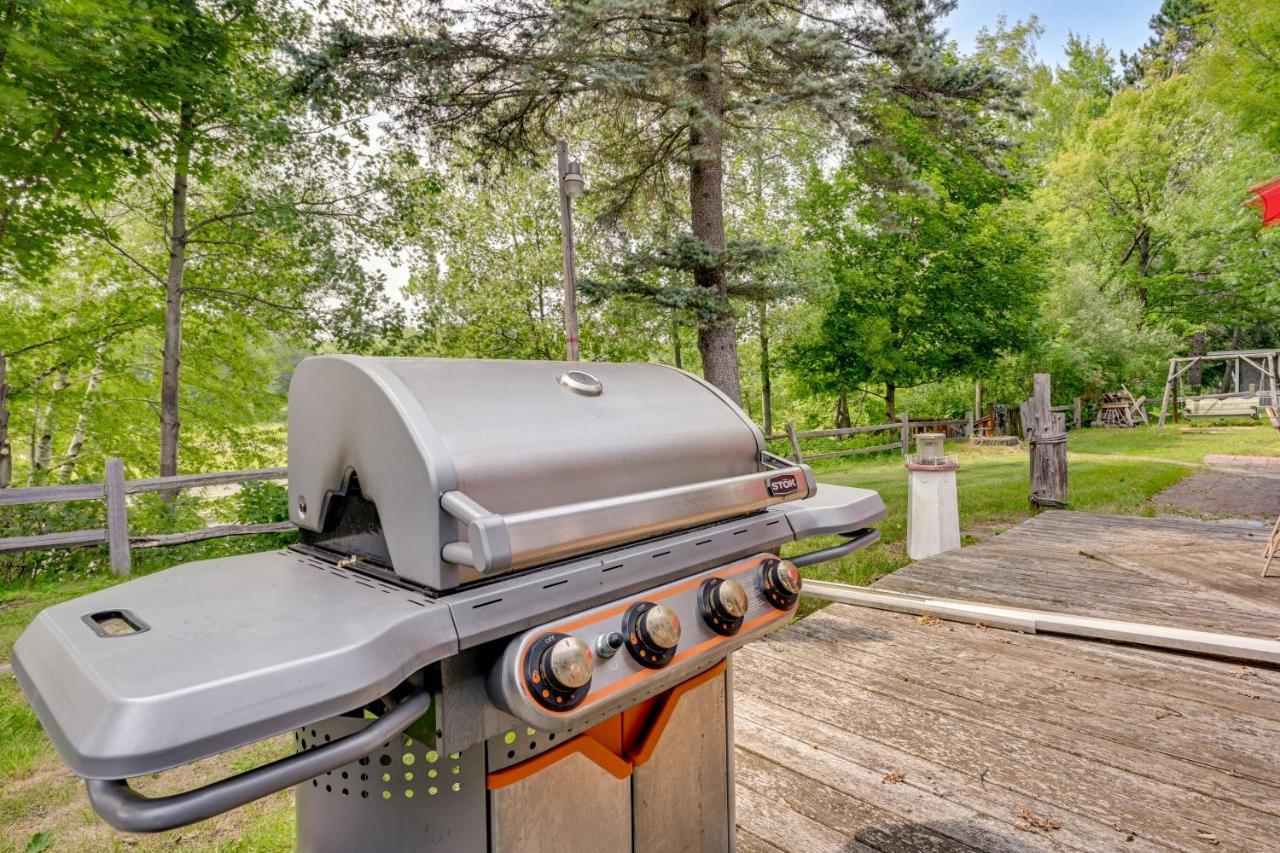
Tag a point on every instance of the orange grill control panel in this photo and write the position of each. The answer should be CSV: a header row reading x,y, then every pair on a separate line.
x,y
595,663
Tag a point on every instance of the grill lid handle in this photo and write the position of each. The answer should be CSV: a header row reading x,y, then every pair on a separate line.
x,y
127,810
532,537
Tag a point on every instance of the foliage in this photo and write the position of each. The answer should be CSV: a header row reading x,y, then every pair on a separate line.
x,y
667,87
922,286
73,77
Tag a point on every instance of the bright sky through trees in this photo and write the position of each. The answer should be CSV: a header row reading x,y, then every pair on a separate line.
x,y
1122,24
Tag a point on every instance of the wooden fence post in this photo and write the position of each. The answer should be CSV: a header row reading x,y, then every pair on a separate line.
x,y
906,433
1077,412
117,519
1046,432
968,424
795,442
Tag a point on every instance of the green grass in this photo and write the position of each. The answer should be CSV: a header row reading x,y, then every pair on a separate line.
x,y
1111,471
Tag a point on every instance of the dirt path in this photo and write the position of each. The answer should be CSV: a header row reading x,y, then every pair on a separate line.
x,y
1230,487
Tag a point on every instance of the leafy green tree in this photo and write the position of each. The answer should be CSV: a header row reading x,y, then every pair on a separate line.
x,y
75,78
676,83
1241,71
923,285
259,219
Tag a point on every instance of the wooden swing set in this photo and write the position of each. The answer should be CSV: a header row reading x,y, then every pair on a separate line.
x,y
1235,403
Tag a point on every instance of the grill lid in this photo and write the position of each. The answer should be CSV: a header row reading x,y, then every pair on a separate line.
x,y
532,462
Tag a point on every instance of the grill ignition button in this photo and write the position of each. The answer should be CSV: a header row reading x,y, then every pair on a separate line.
x,y
780,583
723,604
652,633
557,670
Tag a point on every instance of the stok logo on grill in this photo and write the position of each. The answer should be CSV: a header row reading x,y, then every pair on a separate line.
x,y
782,484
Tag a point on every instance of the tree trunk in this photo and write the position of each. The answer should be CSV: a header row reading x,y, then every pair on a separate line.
x,y
717,340
169,423
68,466
43,452
890,400
842,411
766,381
675,341
6,452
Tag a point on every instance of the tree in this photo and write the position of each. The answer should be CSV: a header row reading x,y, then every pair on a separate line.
x,y
922,285
674,83
1242,69
259,208
75,80
1176,35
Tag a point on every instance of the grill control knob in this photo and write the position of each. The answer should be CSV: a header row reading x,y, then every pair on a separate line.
x,y
557,670
567,664
724,605
652,632
780,582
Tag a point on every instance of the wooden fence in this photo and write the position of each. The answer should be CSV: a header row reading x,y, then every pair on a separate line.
x,y
114,490
904,427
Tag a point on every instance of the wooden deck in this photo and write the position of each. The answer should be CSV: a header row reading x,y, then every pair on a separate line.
x,y
860,729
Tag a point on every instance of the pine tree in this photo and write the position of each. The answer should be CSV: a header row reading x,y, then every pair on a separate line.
x,y
668,85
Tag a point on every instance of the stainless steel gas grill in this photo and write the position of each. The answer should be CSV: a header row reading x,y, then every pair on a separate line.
x,y
507,626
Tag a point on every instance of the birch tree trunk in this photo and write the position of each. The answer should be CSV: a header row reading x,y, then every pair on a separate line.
x,y
717,340
169,421
68,466
43,452
6,452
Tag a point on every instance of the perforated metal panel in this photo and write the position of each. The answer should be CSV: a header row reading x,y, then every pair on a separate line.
x,y
404,796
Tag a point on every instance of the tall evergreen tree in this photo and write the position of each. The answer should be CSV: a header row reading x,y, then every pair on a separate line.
x,y
670,83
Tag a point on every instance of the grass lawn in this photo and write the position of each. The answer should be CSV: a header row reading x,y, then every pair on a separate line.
x,y
42,807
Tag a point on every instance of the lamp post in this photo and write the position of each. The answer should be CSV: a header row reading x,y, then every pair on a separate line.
x,y
570,185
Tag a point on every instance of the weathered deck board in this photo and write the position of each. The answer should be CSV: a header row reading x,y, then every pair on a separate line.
x,y
860,729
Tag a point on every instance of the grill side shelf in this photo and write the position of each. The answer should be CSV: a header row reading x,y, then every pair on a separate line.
x,y
236,650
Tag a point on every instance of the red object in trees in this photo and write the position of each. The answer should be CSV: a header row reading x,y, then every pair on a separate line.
x,y
1266,198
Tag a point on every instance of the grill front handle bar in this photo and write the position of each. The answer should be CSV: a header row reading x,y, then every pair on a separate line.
x,y
129,811
858,539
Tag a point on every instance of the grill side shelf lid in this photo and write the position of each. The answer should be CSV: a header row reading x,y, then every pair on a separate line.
x,y
207,657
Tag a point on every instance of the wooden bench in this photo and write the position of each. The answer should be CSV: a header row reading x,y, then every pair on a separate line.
x,y
1223,407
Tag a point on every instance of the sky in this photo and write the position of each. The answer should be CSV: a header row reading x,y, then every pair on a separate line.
x,y
1122,24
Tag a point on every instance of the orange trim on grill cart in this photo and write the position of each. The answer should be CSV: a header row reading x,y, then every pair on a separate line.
x,y
669,701
602,742
583,744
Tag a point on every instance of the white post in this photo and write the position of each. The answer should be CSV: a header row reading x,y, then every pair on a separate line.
x,y
933,510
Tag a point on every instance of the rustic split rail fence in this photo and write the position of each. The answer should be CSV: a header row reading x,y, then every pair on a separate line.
x,y
904,427
114,490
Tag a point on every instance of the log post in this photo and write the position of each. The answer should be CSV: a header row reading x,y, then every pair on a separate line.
x,y
795,443
968,424
1047,434
1077,412
117,519
906,434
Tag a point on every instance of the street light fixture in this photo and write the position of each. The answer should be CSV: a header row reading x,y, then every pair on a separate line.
x,y
570,186
573,183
